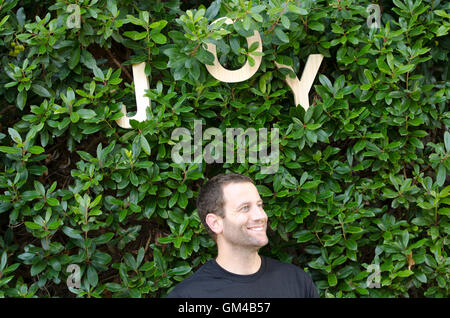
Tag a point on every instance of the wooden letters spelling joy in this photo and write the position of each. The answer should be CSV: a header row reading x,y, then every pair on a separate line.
x,y
300,88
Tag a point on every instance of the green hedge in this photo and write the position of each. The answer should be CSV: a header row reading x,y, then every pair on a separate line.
x,y
363,176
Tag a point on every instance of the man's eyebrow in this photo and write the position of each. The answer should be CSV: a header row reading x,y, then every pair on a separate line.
x,y
248,202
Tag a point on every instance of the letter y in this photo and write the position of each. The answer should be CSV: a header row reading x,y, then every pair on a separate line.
x,y
301,88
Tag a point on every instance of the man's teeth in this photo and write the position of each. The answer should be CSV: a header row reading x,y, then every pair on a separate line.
x,y
256,228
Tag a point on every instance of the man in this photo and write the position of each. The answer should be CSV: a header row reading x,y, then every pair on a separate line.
x,y
232,211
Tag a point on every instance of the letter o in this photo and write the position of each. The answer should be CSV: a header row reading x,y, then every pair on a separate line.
x,y
233,76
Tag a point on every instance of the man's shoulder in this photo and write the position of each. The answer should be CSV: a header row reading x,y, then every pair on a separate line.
x,y
294,276
286,268
274,263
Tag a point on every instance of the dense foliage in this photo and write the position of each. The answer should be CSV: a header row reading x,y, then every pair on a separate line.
x,y
363,175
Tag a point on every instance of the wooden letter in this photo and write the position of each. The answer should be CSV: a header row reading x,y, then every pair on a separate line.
x,y
242,74
301,88
142,101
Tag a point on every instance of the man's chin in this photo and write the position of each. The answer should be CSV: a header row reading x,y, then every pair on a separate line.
x,y
265,242
260,242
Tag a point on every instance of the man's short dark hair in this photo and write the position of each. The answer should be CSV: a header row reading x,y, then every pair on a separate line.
x,y
211,198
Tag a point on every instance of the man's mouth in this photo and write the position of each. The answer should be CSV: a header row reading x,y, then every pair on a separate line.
x,y
256,228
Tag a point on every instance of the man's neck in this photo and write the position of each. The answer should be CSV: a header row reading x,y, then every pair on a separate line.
x,y
239,262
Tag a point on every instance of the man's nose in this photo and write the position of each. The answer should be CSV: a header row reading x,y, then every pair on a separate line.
x,y
259,213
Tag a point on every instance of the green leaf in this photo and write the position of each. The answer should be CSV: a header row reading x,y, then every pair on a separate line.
x,y
21,99
39,267
360,145
327,83
441,175
362,291
295,9
182,200
70,232
11,84
264,191
36,150
159,38
159,260
54,225
405,273
114,287
307,196
41,91
382,66
368,75
145,16
165,240
173,199
144,164
95,202
425,205
135,20
205,56
311,184
444,211
253,46
366,87
158,24
421,277
281,35
15,135
3,261
74,58
258,17
303,236
10,150
135,35
332,280
311,136
405,238
181,270
145,145
86,113
353,229
339,261
32,225
285,21
317,26
100,258
447,141
87,59
52,201
39,188
92,276
274,11
20,15
405,68
3,21
30,195
351,244
98,72
74,117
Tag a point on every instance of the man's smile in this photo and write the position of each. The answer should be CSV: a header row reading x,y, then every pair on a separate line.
x,y
259,228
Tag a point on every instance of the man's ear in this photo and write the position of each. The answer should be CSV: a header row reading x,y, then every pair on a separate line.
x,y
214,222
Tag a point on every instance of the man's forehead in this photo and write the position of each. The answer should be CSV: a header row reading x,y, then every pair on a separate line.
x,y
237,193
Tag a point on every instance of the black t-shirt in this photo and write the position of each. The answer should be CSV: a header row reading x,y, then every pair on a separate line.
x,y
274,279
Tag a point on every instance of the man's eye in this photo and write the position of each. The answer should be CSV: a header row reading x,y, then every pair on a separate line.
x,y
245,207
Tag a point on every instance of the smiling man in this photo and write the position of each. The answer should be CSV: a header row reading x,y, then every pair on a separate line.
x,y
232,211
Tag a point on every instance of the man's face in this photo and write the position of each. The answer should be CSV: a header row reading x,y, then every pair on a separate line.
x,y
245,221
